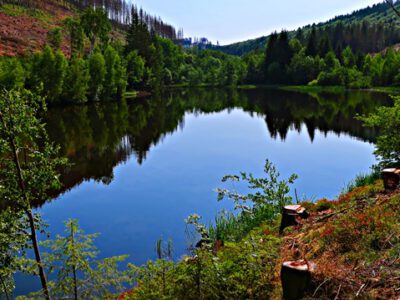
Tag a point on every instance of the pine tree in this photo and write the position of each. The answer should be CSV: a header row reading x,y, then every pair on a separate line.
x,y
96,26
76,36
324,46
312,43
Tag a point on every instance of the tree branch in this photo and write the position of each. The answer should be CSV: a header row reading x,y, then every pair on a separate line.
x,y
393,7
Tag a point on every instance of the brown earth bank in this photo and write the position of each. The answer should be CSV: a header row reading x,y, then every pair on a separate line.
x,y
24,30
352,244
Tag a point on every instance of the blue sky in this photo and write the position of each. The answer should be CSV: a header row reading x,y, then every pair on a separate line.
x,y
236,20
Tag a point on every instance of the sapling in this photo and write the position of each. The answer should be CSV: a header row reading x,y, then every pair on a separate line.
x,y
32,178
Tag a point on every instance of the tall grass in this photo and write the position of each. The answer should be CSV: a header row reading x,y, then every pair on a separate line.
x,y
363,180
231,227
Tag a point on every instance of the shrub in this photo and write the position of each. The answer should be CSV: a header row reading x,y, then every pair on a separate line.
x,y
387,120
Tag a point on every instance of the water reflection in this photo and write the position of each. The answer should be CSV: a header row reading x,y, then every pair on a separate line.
x,y
96,138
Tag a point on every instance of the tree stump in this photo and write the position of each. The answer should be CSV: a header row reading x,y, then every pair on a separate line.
x,y
391,179
290,214
295,278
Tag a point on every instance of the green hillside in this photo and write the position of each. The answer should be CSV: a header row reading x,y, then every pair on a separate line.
x,y
376,14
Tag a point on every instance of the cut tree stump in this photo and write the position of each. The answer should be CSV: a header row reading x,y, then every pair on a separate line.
x,y
290,213
391,179
295,278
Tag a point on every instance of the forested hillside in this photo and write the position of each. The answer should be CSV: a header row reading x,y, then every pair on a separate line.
x,y
24,24
376,23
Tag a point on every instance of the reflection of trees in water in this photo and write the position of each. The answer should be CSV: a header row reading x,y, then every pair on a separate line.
x,y
98,137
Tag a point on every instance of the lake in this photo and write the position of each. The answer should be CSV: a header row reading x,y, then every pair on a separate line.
x,y
141,166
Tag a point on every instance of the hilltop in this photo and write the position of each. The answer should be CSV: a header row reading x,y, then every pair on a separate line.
x,y
24,29
377,14
25,25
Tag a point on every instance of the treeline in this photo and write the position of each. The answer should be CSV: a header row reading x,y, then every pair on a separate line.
x,y
314,60
367,30
379,10
118,11
364,37
101,69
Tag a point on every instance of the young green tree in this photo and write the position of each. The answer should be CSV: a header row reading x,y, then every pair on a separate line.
x,y
97,72
12,73
387,120
112,60
348,58
28,162
13,242
138,37
76,82
79,275
135,69
96,26
54,38
48,73
115,76
76,36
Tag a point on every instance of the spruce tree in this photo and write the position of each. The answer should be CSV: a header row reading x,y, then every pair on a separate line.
x,y
312,43
324,46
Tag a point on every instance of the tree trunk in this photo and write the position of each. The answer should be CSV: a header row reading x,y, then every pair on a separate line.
x,y
28,211
5,288
391,179
295,279
290,214
73,266
36,249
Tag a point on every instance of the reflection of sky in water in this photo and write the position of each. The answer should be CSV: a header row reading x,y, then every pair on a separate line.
x,y
150,201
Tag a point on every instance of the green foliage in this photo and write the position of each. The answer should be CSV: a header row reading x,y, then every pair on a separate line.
x,y
271,194
27,174
76,82
114,79
302,68
363,180
48,71
78,274
97,72
13,243
19,121
312,44
12,73
76,36
96,26
238,271
135,69
387,119
54,38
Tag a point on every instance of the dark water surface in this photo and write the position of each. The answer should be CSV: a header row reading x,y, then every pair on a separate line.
x,y
140,167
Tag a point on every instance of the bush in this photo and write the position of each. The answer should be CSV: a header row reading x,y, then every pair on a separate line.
x,y
387,120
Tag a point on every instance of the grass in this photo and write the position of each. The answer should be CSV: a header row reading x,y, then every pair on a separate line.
x,y
362,180
19,11
314,88
394,90
231,227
